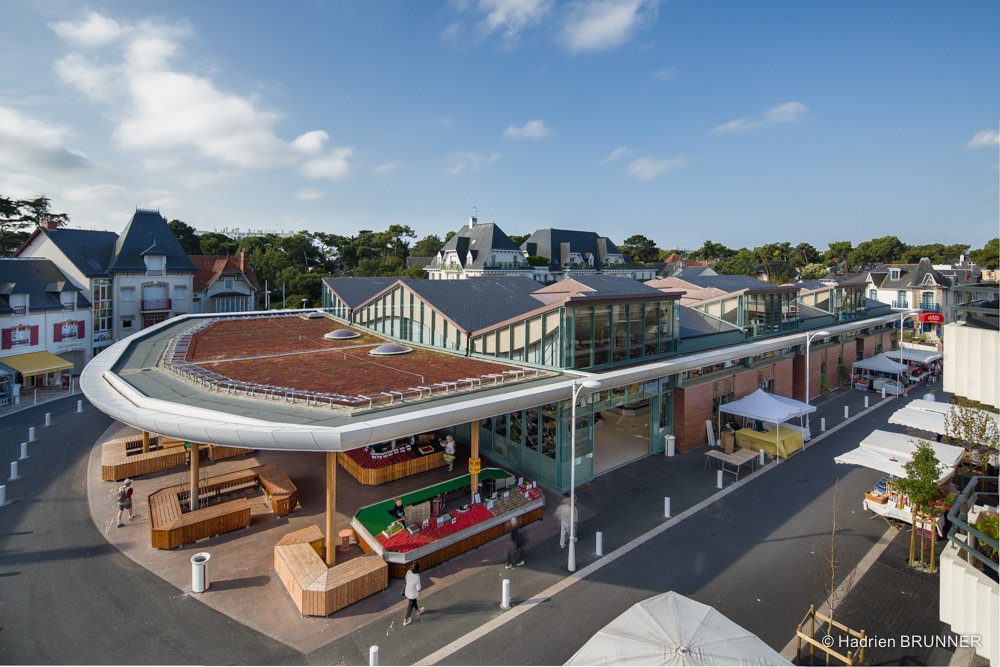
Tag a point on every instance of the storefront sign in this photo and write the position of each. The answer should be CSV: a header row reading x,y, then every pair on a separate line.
x,y
474,466
931,318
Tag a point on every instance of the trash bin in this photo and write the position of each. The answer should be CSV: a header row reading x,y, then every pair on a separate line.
x,y
669,442
199,572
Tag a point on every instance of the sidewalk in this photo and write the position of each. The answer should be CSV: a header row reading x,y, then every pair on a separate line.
x,y
32,397
245,587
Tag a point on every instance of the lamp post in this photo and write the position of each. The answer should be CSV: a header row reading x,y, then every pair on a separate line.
x,y
577,388
902,318
809,340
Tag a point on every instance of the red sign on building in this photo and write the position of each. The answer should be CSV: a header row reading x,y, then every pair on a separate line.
x,y
931,318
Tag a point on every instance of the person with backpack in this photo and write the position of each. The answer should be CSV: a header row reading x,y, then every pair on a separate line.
x,y
124,498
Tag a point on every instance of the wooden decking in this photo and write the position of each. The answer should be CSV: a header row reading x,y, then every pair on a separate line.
x,y
170,526
123,457
318,590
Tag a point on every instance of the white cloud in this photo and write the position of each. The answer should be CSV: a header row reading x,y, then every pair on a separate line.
x,y
117,195
665,74
25,141
93,31
598,25
984,139
462,162
617,153
511,16
783,113
387,168
645,168
310,142
334,165
309,194
533,129
21,186
94,81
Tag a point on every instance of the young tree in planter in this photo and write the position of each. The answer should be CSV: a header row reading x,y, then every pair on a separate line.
x,y
921,486
965,423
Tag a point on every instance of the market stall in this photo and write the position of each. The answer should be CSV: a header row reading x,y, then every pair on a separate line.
x,y
865,371
930,416
768,408
440,522
389,461
889,453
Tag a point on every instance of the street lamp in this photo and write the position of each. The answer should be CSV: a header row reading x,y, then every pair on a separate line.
x,y
304,303
809,340
577,388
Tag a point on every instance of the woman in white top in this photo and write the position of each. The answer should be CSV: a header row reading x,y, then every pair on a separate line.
x,y
412,590
449,452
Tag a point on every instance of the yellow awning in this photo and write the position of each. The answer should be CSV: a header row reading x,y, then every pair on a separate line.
x,y
36,363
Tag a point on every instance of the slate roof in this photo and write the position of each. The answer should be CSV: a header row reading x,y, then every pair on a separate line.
x,y
611,286
39,279
694,324
913,275
732,284
208,269
355,291
694,271
147,233
478,238
479,302
557,244
89,251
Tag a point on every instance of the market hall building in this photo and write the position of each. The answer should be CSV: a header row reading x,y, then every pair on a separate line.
x,y
667,353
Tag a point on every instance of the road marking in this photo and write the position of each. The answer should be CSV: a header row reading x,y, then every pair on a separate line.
x,y
526,606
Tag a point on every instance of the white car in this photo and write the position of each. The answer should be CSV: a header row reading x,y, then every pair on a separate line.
x,y
891,386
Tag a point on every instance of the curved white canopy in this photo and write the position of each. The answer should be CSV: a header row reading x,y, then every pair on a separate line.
x,y
890,452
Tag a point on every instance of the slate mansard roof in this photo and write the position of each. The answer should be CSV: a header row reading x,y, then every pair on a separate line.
x,y
89,251
558,244
147,233
479,238
37,278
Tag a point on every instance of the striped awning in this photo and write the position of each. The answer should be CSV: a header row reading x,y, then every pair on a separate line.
x,y
36,363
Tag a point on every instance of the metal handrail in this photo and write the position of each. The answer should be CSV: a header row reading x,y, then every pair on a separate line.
x,y
960,508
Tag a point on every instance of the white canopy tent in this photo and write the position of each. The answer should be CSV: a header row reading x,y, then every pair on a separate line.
x,y
670,629
930,415
881,364
768,408
918,356
890,452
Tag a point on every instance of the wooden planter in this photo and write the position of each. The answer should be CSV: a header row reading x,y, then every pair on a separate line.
x,y
376,476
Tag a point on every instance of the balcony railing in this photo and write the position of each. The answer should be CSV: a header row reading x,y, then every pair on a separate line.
x,y
154,272
968,538
156,304
931,307
20,310
69,306
901,304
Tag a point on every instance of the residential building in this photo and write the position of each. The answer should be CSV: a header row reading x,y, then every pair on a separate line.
x,y
133,280
479,249
573,253
222,284
44,320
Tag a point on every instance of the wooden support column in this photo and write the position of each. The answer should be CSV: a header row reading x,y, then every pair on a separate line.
x,y
195,462
145,442
331,508
474,459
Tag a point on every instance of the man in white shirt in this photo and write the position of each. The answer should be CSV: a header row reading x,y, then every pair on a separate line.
x,y
565,514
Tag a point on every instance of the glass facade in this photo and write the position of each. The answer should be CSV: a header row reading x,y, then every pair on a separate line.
x,y
612,334
103,313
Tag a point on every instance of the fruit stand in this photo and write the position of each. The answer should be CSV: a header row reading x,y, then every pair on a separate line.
x,y
378,464
441,522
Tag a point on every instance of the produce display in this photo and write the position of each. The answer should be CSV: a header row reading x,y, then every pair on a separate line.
x,y
515,498
363,456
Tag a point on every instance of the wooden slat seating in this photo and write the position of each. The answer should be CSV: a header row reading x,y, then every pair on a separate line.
x,y
219,452
171,527
318,590
119,460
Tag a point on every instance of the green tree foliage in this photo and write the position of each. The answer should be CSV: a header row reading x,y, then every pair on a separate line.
x,y
710,252
921,486
663,254
213,243
640,249
185,235
519,239
742,263
813,272
18,217
34,211
538,260
427,246
805,254
988,257
838,252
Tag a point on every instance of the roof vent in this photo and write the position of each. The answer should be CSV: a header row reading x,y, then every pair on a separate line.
x,y
389,349
315,315
341,334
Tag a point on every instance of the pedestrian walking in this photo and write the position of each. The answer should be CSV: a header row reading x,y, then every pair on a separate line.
x,y
517,545
566,515
931,395
449,452
124,498
411,590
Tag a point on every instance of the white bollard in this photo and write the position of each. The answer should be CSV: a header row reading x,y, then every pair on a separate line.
x,y
883,392
3,495
822,424
13,471
505,599
760,460
36,397
48,419
666,508
24,450
847,412
600,544
866,400
79,406
199,572
718,480
373,656
31,434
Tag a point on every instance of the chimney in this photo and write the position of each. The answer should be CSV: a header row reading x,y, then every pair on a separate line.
x,y
48,224
472,222
243,260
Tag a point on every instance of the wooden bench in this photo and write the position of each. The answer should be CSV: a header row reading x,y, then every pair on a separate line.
x,y
317,590
281,493
123,458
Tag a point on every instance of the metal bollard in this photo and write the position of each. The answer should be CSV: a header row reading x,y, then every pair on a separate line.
x,y
822,424
79,406
600,544
883,392
3,495
373,656
866,400
505,599
13,471
48,419
31,434
847,412
666,508
718,480
760,460
24,450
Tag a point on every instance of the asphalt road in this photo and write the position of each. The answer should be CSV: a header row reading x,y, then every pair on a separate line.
x,y
68,597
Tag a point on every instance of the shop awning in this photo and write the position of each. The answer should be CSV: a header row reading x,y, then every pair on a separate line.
x,y
931,318
37,363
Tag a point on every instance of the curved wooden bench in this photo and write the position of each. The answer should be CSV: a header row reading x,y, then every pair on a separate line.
x,y
318,590
281,493
123,457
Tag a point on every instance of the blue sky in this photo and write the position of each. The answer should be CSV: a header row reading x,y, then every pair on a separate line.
x,y
739,122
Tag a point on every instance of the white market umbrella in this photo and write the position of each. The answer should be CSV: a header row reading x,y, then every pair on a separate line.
x,y
670,629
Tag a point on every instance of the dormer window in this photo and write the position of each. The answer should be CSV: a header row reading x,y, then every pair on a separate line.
x,y
894,274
